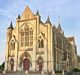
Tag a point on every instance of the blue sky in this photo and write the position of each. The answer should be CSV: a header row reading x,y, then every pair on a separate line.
x,y
68,10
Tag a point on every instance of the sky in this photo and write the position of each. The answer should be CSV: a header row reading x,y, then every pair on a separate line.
x,y
68,10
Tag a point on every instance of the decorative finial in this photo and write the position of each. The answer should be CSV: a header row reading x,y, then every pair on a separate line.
x,y
59,26
37,13
11,26
59,19
18,16
48,20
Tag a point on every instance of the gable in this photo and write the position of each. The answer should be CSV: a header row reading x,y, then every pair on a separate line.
x,y
12,40
27,14
41,35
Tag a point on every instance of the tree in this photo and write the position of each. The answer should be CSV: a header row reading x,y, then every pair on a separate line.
x,y
2,66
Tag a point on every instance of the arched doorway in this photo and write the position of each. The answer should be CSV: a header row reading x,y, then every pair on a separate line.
x,y
26,64
12,64
25,61
40,63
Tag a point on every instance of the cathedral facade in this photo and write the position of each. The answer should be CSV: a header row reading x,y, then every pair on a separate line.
x,y
43,45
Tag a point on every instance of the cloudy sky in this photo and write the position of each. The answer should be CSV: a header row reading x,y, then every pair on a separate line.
x,y
68,10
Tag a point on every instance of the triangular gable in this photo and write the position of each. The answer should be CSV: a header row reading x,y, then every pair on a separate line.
x,y
27,14
41,35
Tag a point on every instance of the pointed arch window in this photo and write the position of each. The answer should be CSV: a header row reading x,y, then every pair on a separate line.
x,y
12,45
27,36
26,32
38,43
41,43
22,39
31,37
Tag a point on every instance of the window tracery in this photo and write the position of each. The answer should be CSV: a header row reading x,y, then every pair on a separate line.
x,y
27,36
41,43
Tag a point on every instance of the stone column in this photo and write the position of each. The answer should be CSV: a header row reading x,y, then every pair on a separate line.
x,y
6,58
34,55
16,57
52,55
45,55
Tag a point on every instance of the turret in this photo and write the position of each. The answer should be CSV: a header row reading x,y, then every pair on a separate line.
x,y
10,27
48,21
59,25
9,32
19,16
38,15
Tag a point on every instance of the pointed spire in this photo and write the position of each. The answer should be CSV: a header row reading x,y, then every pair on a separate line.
x,y
18,16
48,20
59,26
11,26
37,13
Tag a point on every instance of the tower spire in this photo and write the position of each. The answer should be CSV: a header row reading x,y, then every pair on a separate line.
x,y
37,13
48,20
18,16
11,26
59,25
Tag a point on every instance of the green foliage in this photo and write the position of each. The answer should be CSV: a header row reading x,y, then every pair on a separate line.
x,y
58,71
76,70
2,66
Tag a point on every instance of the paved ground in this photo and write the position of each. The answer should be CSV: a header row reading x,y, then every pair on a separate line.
x,y
38,73
23,73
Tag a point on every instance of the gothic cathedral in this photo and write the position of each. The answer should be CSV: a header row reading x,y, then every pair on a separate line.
x,y
39,45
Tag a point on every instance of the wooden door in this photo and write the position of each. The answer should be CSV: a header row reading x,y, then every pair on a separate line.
x,y
40,63
40,66
26,64
12,64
